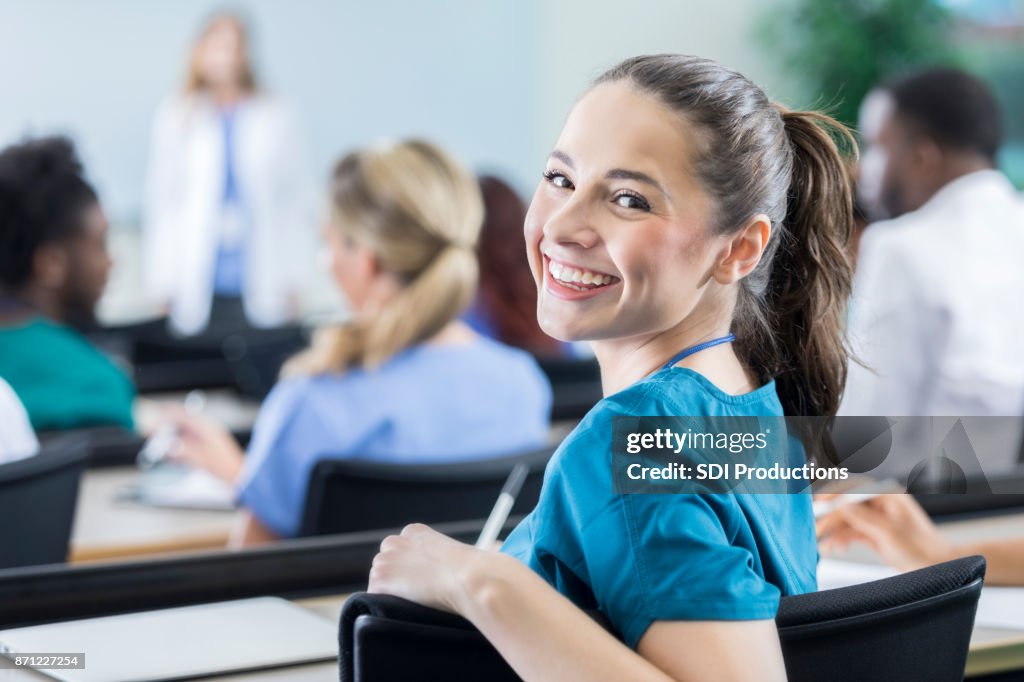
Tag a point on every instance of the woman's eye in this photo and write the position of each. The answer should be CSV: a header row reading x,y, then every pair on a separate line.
x,y
632,201
558,180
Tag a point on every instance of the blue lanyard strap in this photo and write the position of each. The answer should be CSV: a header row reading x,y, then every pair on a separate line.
x,y
687,352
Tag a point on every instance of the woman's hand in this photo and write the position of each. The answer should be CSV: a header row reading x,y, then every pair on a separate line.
x,y
893,525
424,566
206,445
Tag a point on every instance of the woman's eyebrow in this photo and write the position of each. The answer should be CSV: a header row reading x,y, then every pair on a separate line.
x,y
623,174
563,157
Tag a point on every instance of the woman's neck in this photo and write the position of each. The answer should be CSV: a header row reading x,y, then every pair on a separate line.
x,y
626,361
455,333
227,95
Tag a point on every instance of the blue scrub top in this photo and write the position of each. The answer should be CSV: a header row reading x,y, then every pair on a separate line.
x,y
430,403
647,557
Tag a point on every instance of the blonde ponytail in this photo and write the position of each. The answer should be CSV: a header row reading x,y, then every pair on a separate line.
x,y
420,213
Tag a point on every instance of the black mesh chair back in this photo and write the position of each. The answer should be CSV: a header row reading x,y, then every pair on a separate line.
x,y
37,503
349,495
575,386
255,359
915,626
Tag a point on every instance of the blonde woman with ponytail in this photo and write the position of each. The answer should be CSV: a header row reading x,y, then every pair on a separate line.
x,y
694,232
404,380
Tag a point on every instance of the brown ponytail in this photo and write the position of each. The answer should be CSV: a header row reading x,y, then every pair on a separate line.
x,y
756,157
811,275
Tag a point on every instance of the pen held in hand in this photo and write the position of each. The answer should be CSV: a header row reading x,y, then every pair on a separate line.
x,y
503,506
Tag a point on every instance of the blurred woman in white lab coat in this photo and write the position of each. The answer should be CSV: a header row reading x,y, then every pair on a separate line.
x,y
227,230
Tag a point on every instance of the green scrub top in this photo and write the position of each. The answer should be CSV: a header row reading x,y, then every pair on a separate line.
x,y
63,381
641,558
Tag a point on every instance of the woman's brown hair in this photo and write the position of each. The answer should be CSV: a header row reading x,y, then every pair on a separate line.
x,y
755,156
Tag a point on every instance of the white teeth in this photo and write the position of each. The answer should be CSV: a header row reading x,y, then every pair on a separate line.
x,y
570,276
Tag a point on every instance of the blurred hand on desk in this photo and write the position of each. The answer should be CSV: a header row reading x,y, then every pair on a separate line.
x,y
205,444
898,529
893,525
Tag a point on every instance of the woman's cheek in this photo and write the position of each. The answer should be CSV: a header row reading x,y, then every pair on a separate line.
x,y
533,232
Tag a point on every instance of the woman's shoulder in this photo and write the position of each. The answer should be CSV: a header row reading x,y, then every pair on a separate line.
x,y
680,391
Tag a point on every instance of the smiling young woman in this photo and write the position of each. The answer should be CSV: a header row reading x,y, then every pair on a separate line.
x,y
694,232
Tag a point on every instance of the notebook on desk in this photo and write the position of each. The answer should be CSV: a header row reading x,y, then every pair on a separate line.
x,y
184,642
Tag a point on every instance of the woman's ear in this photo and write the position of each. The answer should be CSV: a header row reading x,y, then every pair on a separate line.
x,y
742,252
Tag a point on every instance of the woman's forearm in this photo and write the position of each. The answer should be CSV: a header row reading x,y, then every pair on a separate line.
x,y
538,631
1005,559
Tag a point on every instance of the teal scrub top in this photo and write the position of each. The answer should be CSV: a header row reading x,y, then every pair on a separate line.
x,y
63,380
647,557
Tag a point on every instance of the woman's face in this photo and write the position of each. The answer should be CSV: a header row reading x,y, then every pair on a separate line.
x,y
618,230
352,267
221,54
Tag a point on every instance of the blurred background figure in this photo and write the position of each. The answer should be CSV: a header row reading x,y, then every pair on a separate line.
x,y
899,530
53,269
404,380
930,315
505,307
17,439
226,230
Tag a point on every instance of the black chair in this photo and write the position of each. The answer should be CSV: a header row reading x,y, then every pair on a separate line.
x,y
575,386
255,359
37,503
915,626
345,496
107,446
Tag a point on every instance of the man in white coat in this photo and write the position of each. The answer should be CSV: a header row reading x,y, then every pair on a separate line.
x,y
937,313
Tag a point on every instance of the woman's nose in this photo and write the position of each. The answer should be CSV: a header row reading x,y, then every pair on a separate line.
x,y
572,224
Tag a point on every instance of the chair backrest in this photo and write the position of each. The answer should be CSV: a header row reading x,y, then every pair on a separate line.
x,y
575,386
912,626
351,495
255,359
37,503
915,626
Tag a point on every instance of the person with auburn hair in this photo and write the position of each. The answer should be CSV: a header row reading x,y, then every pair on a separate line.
x,y
695,233
404,381
227,231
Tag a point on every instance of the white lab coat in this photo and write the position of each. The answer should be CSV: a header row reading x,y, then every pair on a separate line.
x,y
17,439
184,191
938,306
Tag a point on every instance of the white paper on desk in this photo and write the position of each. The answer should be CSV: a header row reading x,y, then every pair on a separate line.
x,y
999,607
170,485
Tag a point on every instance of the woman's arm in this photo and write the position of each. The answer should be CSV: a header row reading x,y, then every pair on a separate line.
x,y
544,636
207,445
899,530
248,531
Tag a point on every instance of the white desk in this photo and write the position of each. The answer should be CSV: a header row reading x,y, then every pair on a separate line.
x,y
106,528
